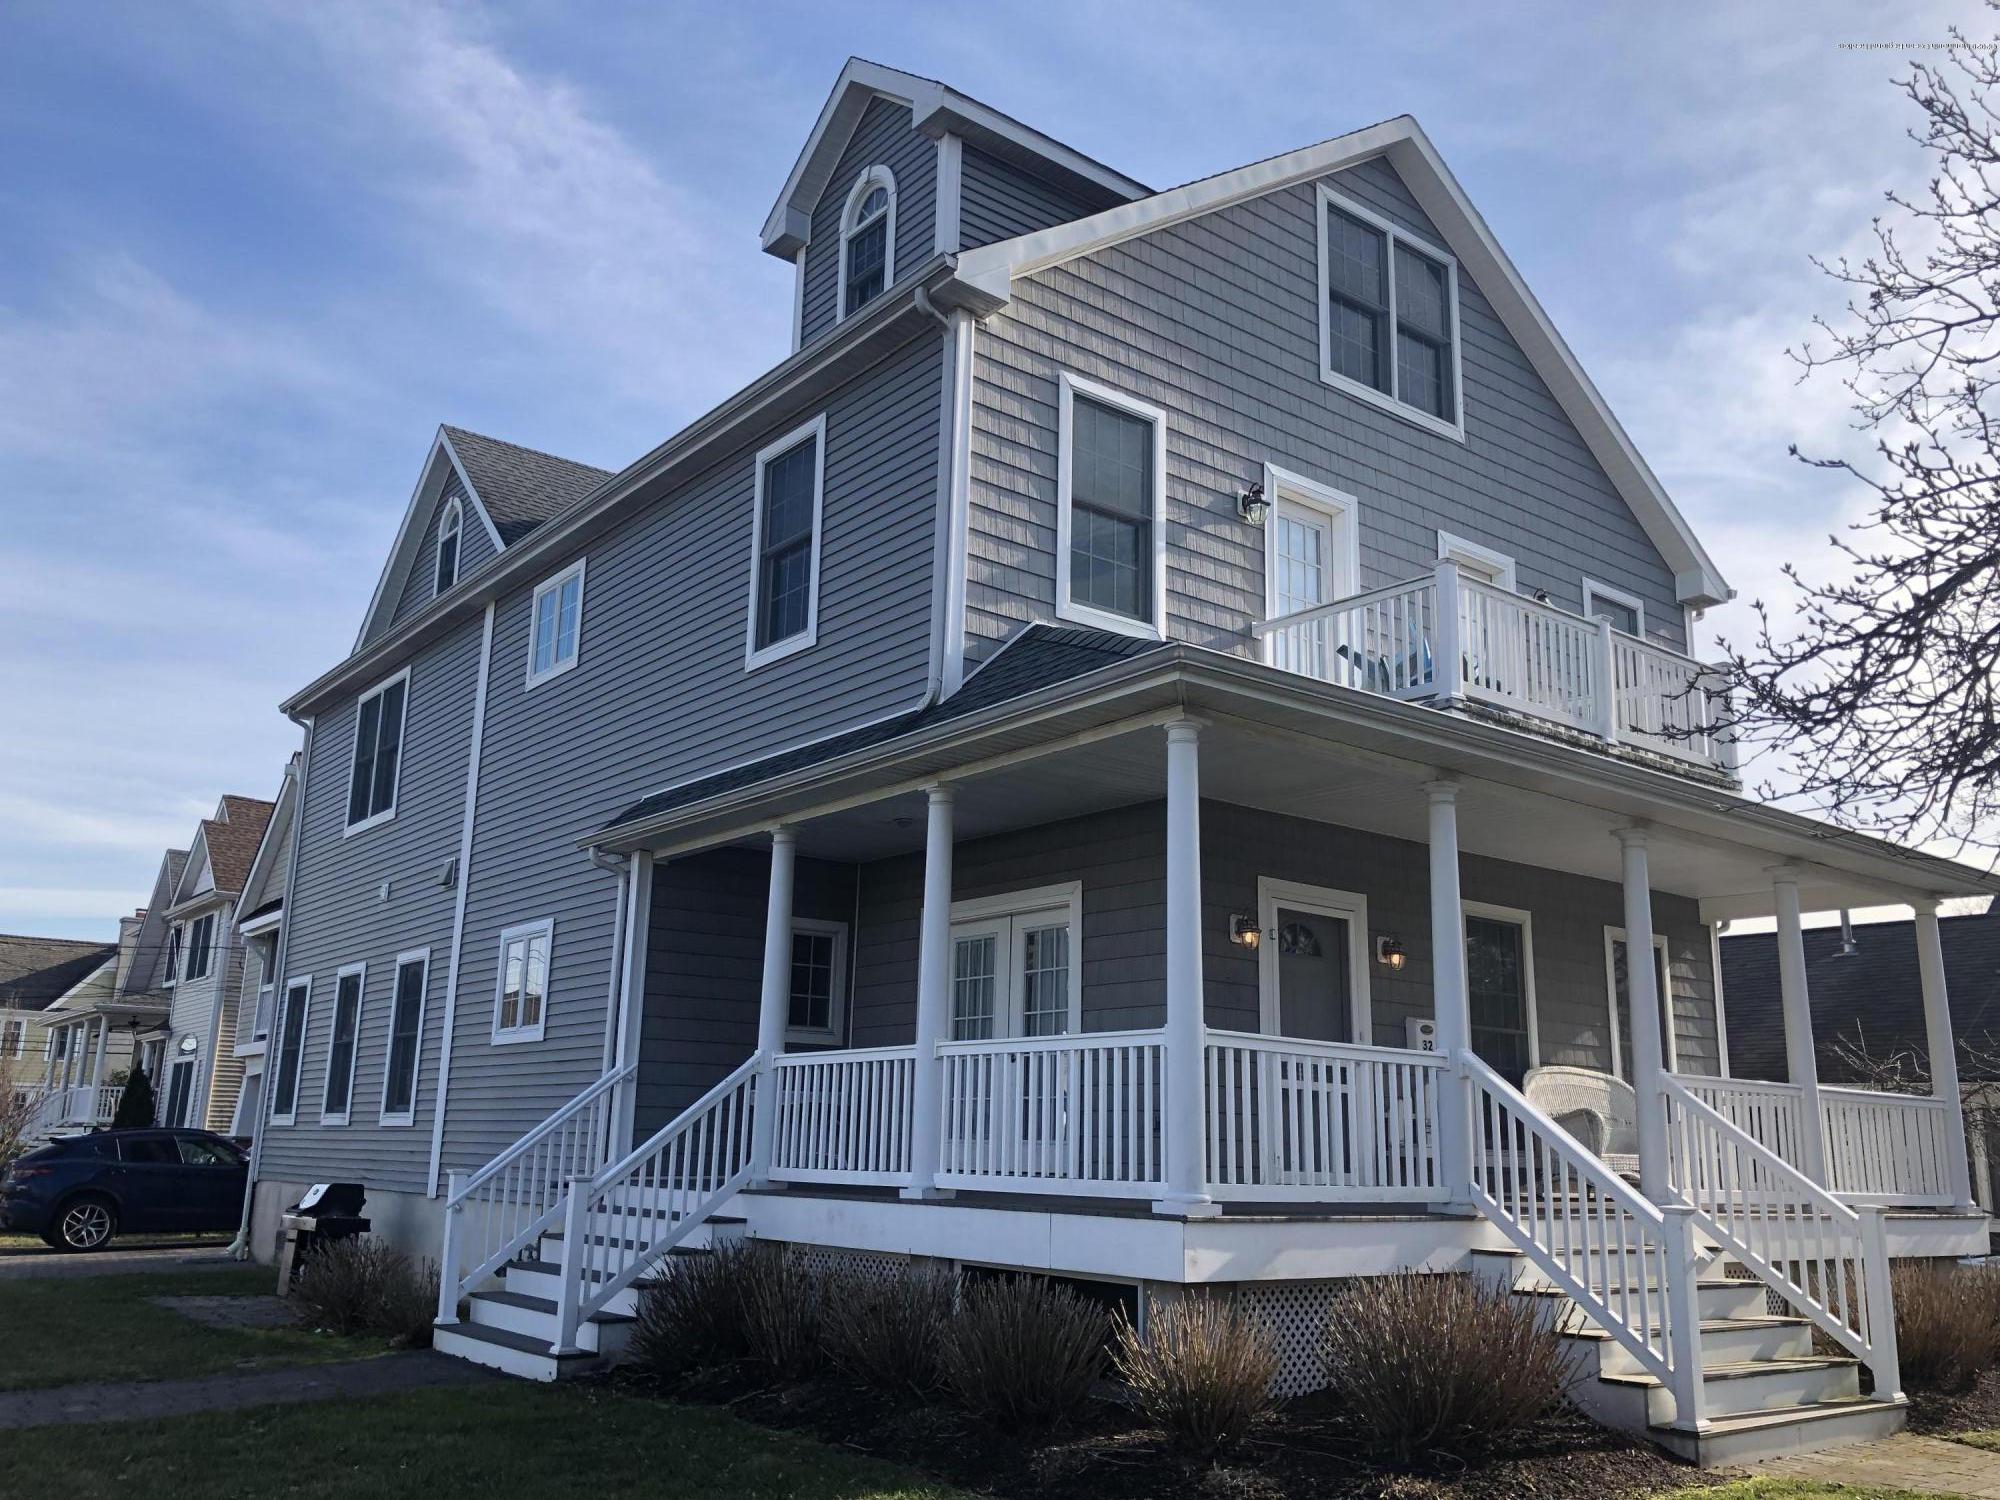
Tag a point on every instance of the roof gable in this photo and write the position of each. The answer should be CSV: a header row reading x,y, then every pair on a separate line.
x,y
37,972
983,278
267,870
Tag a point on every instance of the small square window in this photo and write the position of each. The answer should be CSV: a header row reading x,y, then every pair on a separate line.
x,y
818,986
556,624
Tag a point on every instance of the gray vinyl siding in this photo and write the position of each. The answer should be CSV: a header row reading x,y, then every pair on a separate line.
x,y
660,695
367,898
884,137
998,200
1216,321
475,550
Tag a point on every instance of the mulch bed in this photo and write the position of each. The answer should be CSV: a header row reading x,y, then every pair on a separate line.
x,y
1976,1410
1111,1454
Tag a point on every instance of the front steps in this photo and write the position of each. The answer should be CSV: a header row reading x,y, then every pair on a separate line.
x,y
1765,1392
512,1328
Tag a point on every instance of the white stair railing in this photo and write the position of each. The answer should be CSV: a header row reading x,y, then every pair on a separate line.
x,y
1630,1265
1829,1261
516,1196
618,1224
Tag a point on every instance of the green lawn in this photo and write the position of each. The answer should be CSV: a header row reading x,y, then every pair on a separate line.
x,y
61,1330
1797,1489
476,1442
1987,1440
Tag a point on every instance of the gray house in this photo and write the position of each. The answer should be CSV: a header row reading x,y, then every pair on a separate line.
x,y
1138,752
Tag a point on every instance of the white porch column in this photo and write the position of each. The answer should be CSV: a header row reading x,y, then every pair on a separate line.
x,y
1944,1052
1450,1001
1184,1121
774,1002
97,1069
933,998
1642,988
1801,1065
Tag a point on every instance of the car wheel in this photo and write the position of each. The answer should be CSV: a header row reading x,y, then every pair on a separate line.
x,y
85,1223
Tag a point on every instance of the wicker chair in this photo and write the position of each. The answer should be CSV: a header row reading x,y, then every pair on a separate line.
x,y
1600,1111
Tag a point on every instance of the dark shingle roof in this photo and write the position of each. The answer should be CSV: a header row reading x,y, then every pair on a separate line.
x,y
1041,656
233,845
520,487
36,972
1870,995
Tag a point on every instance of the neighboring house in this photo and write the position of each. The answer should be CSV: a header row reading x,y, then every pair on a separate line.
x,y
1155,719
38,977
260,918
1868,1017
92,1034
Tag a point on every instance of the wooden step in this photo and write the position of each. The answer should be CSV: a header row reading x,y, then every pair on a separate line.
x,y
1754,1387
514,1353
1747,1438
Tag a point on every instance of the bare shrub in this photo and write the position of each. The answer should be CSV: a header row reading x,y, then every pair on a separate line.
x,y
1946,1327
691,1316
1203,1375
340,1286
1023,1353
890,1334
407,1302
1441,1365
782,1304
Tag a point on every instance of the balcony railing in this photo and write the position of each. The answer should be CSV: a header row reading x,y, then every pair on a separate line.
x,y
1448,637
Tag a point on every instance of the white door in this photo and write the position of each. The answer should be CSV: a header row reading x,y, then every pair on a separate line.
x,y
1014,975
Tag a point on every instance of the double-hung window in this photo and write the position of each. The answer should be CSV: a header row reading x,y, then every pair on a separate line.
x,y
1015,969
406,1030
378,753
1388,316
450,530
819,981
13,1038
521,989
1110,494
291,1050
867,240
556,625
784,545
343,1042
173,957
200,947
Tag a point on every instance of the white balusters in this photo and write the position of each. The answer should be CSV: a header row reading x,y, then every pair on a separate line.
x,y
843,1116
1886,1147
1379,641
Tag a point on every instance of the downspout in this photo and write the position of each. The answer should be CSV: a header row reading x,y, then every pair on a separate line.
x,y
239,1248
947,663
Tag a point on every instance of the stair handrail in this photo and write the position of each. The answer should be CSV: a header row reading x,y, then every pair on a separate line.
x,y
1560,1203
526,1181
682,1173
1777,1222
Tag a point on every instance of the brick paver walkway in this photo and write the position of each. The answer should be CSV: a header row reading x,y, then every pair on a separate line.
x,y
1904,1461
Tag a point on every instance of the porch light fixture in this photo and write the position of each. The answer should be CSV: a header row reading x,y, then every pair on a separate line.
x,y
1244,931
1253,507
1389,952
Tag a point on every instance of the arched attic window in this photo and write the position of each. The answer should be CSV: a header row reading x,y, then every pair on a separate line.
x,y
867,240
449,530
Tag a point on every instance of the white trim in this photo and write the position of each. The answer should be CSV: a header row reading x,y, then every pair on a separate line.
x,y
798,299
1390,400
1324,901
1343,514
354,749
1715,988
402,552
1614,935
1525,920
553,585
957,436
836,1027
383,1114
258,926
1464,550
870,179
360,972
453,521
1072,386
1004,909
545,929
1592,589
950,194
755,656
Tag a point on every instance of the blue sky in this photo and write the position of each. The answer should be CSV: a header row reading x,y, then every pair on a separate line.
x,y
251,254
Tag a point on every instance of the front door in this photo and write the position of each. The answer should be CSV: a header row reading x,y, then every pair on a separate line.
x,y
1309,940
1497,979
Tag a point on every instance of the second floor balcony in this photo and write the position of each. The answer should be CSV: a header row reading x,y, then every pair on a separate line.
x,y
1452,639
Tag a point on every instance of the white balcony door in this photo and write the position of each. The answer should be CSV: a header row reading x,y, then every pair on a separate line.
x,y
1014,966
1310,559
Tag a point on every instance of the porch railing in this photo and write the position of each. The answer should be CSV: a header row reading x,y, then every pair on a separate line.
x,y
843,1116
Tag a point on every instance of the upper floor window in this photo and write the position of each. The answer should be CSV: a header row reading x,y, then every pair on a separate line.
x,y
450,529
521,991
867,240
1388,316
1110,543
378,746
1626,612
784,545
13,1038
558,618
173,956
819,981
200,947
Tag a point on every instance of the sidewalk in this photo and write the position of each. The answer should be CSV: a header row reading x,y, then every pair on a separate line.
x,y
1905,1461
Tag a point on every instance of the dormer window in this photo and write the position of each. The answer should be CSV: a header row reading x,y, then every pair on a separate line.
x,y
449,531
867,240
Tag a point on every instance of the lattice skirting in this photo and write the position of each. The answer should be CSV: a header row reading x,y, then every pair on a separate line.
x,y
1294,1312
875,1266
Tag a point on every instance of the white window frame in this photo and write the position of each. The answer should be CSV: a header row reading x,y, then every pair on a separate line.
x,y
176,944
544,928
1593,590
1525,920
874,177
836,1012
755,656
1154,629
551,588
189,948
359,971
17,1029
1615,935
1343,513
1009,907
452,523
383,1114
1387,400
354,749
1461,549
1325,901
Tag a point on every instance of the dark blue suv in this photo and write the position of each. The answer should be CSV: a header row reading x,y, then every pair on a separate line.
x,y
79,1192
